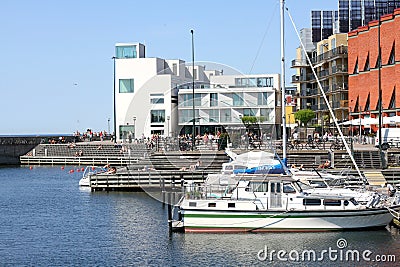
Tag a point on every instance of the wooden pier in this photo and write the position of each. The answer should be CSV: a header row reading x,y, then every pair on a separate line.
x,y
145,180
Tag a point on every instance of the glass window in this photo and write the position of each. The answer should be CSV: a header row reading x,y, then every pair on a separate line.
x,y
226,115
214,115
248,112
311,202
332,202
126,51
157,116
186,115
126,85
237,99
265,113
213,99
197,100
157,100
262,99
288,188
126,131
259,186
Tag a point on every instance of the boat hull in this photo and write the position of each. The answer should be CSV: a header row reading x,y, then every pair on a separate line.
x,y
278,221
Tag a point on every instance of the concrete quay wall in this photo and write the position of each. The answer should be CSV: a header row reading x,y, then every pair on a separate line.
x,y
12,147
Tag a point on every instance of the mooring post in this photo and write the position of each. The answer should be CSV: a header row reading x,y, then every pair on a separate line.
x,y
163,191
169,212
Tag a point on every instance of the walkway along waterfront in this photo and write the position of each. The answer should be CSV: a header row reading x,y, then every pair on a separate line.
x,y
139,166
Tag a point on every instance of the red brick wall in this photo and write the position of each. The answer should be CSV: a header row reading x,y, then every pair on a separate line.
x,y
364,42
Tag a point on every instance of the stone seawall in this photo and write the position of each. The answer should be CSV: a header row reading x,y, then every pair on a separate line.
x,y
12,147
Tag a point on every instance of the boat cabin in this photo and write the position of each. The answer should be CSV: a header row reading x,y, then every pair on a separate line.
x,y
270,193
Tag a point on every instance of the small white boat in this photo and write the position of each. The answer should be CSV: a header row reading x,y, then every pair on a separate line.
x,y
279,203
89,171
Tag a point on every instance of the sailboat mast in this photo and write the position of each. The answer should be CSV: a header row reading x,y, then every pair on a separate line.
x,y
283,101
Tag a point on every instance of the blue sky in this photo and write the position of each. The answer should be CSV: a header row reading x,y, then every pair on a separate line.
x,y
56,68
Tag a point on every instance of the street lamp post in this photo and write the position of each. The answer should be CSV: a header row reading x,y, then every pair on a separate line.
x,y
168,118
194,120
115,108
108,125
359,131
134,127
381,154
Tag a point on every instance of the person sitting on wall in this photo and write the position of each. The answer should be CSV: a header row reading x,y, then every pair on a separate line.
x,y
325,165
391,189
111,170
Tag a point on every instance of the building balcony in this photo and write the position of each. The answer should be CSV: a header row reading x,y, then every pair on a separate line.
x,y
297,63
340,69
323,107
340,51
339,87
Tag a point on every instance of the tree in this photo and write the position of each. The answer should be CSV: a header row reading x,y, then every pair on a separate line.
x,y
304,116
252,123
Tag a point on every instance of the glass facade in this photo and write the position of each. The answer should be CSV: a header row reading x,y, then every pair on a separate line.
x,y
157,116
213,99
322,24
126,86
156,98
186,115
126,51
226,115
356,13
237,99
254,82
126,131
186,100
214,115
262,99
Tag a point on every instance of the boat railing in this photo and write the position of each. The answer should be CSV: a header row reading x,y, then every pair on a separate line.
x,y
209,191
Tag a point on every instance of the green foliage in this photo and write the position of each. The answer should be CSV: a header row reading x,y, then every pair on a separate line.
x,y
304,116
249,120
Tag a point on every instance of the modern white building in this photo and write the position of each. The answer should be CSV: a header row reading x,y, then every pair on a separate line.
x,y
154,96
228,98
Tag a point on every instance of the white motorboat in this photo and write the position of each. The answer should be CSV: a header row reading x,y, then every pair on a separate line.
x,y
280,203
89,171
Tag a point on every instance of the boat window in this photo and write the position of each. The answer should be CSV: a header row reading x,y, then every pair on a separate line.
x,y
278,187
259,186
352,200
212,205
288,188
332,202
275,187
231,205
304,186
311,202
318,184
192,204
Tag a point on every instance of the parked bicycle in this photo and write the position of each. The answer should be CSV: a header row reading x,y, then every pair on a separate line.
x,y
337,145
311,144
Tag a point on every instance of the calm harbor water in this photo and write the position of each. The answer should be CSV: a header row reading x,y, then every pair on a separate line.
x,y
46,220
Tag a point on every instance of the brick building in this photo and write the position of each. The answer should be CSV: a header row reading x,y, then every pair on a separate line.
x,y
370,70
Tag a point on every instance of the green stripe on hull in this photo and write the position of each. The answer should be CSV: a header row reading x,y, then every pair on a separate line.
x,y
208,229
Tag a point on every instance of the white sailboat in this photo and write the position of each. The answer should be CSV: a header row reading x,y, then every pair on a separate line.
x,y
277,203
